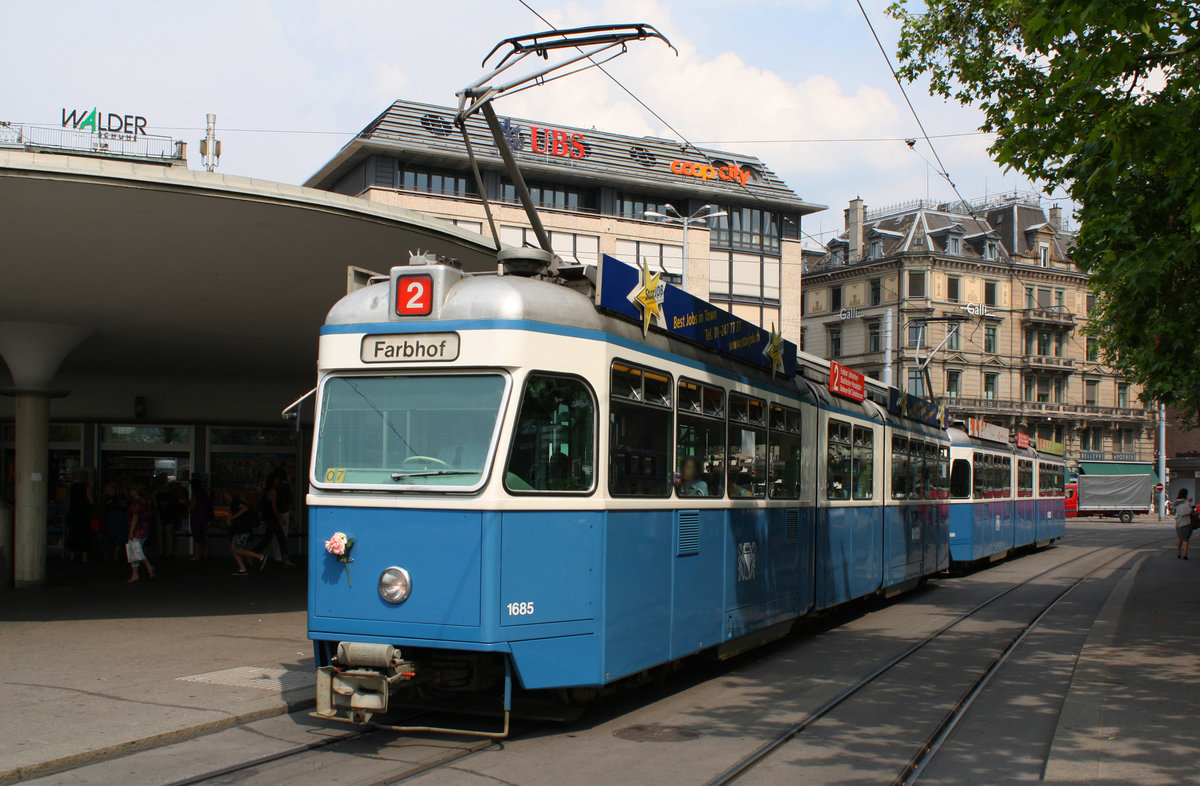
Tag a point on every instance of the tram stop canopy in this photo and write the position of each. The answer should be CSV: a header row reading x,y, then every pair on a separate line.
x,y
140,292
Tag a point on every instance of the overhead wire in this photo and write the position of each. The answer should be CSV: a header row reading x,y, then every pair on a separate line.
x,y
687,144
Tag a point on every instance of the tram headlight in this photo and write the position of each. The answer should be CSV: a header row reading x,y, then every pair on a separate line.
x,y
395,585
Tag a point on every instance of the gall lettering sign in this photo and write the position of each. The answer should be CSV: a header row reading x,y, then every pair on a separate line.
x,y
107,125
846,382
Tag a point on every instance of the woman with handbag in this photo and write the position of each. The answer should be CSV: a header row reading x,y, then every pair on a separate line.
x,y
138,516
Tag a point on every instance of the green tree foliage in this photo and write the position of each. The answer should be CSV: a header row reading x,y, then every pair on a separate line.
x,y
1099,97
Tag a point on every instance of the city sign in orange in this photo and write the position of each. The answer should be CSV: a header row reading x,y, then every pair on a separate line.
x,y
708,172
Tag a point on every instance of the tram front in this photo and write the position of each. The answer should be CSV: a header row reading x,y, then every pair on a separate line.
x,y
410,520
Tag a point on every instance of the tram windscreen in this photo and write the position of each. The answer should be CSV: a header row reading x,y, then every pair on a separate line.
x,y
403,431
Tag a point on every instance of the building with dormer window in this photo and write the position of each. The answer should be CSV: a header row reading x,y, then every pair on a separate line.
x,y
990,291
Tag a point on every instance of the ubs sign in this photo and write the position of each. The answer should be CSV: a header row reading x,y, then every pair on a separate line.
x,y
106,125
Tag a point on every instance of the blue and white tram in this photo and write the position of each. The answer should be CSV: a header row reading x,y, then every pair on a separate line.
x,y
1001,497
539,493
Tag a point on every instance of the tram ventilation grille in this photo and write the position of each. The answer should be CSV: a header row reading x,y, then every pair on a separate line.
x,y
689,533
791,531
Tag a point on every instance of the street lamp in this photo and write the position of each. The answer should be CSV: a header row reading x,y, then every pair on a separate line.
x,y
700,216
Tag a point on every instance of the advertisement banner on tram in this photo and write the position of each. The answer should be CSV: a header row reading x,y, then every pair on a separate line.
x,y
642,296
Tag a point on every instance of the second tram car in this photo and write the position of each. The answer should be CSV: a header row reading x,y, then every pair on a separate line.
x,y
513,483
1002,497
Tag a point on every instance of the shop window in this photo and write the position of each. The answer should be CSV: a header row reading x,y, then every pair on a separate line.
x,y
554,439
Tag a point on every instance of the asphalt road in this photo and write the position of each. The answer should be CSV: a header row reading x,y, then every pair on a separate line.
x,y
712,715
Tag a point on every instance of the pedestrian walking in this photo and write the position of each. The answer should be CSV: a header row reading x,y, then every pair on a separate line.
x,y
1183,523
269,510
242,521
138,516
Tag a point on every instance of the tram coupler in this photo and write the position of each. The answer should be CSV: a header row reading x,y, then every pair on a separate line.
x,y
360,680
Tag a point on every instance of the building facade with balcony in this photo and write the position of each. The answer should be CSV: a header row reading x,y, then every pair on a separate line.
x,y
989,291
593,190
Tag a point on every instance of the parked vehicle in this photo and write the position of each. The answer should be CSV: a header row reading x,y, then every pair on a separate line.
x,y
1122,496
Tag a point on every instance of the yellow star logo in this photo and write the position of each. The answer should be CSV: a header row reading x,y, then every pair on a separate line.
x,y
648,297
774,351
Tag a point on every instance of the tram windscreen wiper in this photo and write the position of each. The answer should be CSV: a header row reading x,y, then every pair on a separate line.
x,y
432,473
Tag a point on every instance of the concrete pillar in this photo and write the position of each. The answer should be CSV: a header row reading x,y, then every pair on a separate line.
x,y
32,460
33,352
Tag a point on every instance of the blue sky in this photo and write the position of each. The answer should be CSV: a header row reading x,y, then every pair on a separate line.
x,y
752,70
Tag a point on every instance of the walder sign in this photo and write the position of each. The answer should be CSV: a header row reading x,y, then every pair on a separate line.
x,y
107,125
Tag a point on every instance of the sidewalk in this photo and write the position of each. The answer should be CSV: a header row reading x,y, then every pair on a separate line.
x,y
1130,714
94,667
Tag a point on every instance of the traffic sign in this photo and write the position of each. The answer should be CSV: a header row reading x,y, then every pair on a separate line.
x,y
1158,487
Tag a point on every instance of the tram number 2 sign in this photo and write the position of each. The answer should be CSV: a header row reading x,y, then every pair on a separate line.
x,y
414,295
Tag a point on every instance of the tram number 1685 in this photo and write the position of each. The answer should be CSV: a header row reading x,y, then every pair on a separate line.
x,y
518,609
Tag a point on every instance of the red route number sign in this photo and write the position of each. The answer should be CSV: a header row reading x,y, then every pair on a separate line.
x,y
414,295
846,382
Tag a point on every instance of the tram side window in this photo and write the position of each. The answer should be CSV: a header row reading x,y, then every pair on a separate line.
x,y
943,482
960,479
1004,477
640,441
840,453
700,447
554,440
931,470
916,468
784,453
981,488
1024,478
863,471
747,446
901,478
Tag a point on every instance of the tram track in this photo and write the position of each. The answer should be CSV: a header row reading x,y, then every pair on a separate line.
x,y
933,742
251,771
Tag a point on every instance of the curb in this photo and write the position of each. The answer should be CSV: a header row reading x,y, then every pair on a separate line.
x,y
62,764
